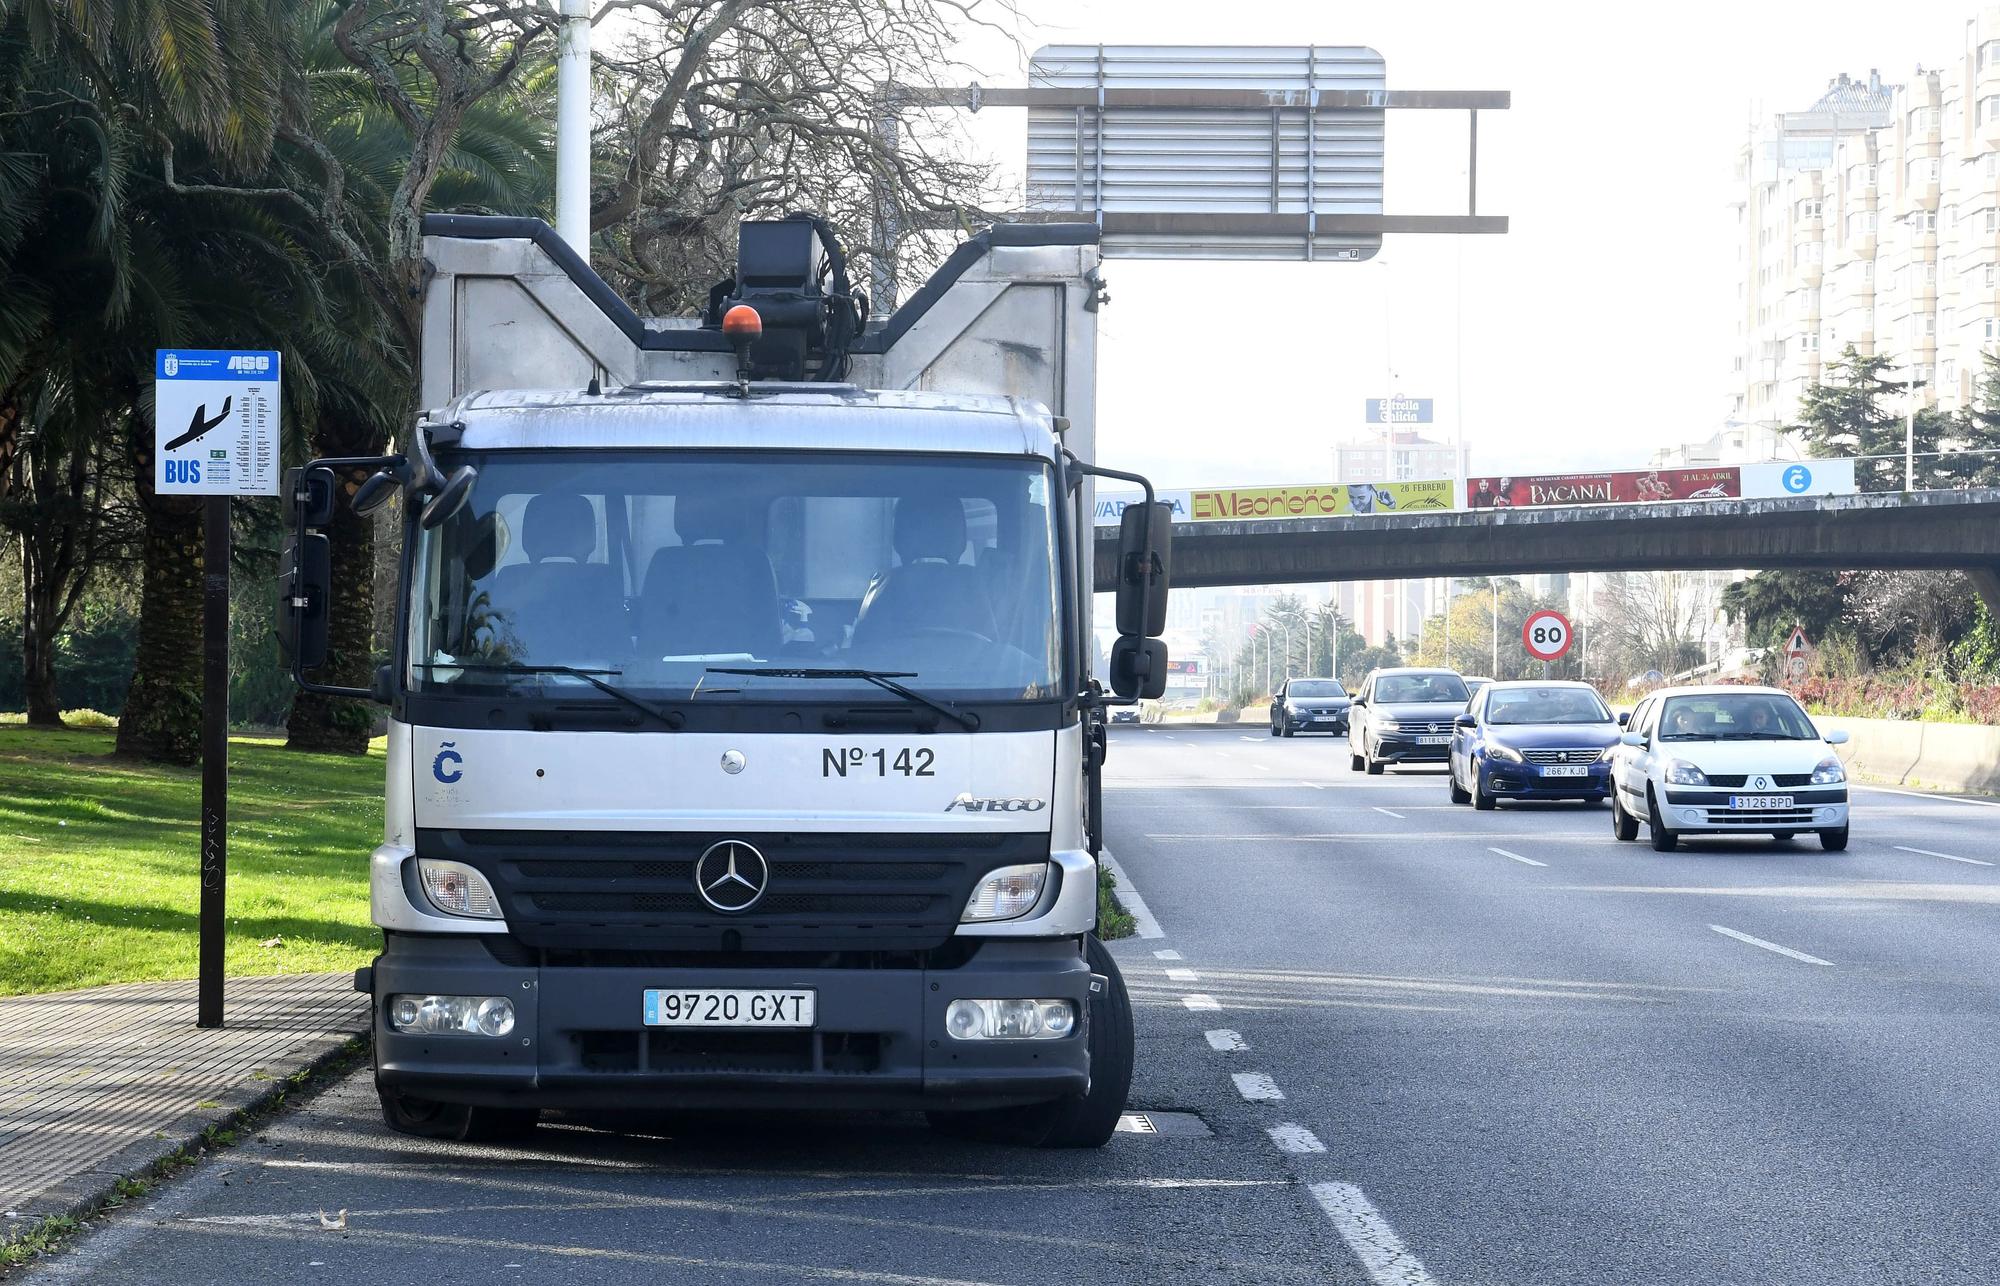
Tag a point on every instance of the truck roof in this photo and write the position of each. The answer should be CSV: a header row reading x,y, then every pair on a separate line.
x,y
815,417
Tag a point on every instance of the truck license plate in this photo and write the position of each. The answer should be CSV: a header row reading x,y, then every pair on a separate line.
x,y
1566,770
730,1008
1760,802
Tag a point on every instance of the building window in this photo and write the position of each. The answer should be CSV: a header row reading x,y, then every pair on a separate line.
x,y
1989,330
1868,270
1989,53
1861,176
1924,119
1861,223
1991,219
1989,276
1923,169
1950,372
1989,165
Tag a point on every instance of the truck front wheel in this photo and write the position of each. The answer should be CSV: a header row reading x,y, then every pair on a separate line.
x,y
428,1119
1085,1122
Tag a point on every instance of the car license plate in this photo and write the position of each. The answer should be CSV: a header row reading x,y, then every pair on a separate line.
x,y
730,1008
1760,802
1324,718
1566,770
1433,741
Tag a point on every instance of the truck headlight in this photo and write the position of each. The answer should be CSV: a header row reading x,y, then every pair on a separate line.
x,y
1009,1019
1006,893
1682,773
1505,754
457,889
449,1015
1829,772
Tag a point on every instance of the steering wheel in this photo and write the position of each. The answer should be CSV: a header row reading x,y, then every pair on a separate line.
x,y
949,633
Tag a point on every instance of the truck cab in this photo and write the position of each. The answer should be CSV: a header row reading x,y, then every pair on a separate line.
x,y
743,745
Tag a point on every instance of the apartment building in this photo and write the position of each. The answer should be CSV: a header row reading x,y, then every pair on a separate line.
x,y
1873,219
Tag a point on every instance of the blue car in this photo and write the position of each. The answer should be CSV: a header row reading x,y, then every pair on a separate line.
x,y
1532,740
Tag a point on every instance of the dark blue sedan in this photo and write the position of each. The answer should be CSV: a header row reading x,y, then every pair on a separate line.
x,y
1532,740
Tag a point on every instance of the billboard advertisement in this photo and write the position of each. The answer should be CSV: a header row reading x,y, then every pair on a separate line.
x,y
1634,486
1799,478
1324,500
1111,505
1399,410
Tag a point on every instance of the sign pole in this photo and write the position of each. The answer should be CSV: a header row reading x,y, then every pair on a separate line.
x,y
214,757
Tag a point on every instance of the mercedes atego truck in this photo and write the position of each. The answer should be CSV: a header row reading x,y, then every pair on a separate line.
x,y
744,745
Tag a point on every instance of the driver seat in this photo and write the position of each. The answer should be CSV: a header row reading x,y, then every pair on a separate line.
x,y
931,589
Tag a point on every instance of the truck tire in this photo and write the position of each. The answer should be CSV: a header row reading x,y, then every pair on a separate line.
x,y
426,1119
1085,1122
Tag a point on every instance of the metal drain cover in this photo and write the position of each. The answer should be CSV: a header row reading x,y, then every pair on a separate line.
x,y
1173,1125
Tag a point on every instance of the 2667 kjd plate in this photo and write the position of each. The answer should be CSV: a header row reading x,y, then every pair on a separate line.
x,y
730,1007
1566,770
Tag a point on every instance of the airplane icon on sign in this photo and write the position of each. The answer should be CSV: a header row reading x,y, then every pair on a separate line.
x,y
198,425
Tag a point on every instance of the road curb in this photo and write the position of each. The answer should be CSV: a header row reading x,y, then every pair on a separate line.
x,y
193,1133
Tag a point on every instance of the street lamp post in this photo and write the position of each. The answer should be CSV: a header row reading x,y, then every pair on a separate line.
x,y
1495,671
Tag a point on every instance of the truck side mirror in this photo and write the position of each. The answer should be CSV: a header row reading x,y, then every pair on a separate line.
x,y
312,492
305,584
1144,535
1139,667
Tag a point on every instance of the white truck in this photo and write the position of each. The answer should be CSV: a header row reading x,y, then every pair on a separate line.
x,y
743,743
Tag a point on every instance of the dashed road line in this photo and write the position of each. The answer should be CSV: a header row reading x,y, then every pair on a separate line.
x,y
1925,852
1257,1087
1224,1041
1182,975
1312,785
1368,1234
1143,923
1295,1138
1769,946
1386,813
1201,1004
1166,955
1525,861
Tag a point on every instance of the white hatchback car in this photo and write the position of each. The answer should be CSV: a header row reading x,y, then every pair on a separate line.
x,y
1724,761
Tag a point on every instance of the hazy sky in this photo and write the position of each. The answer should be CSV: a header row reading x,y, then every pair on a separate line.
x,y
1598,328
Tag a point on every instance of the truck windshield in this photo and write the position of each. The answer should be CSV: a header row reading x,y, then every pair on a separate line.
x,y
658,569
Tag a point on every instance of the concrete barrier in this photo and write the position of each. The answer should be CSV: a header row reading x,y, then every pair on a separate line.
x,y
1962,757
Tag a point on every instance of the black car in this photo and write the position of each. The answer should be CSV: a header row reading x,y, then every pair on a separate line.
x,y
1404,716
1309,705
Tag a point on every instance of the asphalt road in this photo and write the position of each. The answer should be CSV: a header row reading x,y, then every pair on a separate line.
x,y
1415,1044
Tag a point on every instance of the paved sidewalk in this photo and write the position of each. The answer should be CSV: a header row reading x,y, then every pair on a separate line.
x,y
97,1085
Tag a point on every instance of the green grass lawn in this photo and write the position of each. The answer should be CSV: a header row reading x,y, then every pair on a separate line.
x,y
99,857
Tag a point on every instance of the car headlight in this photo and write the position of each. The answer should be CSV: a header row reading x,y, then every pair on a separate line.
x,y
457,889
1506,754
1291,707
1006,893
1682,773
1387,725
1829,772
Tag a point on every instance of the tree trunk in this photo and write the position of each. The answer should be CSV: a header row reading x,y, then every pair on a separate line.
x,y
38,669
162,715
332,723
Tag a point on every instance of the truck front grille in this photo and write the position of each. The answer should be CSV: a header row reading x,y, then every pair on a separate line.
x,y
635,890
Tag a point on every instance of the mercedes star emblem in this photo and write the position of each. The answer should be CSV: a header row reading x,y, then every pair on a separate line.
x,y
731,875
732,762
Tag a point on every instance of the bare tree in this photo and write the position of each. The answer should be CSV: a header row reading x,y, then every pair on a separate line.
x,y
712,111
1650,621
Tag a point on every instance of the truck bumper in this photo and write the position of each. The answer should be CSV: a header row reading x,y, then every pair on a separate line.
x,y
879,1041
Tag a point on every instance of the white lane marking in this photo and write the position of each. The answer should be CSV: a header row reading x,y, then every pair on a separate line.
x,y
1182,975
1386,813
1257,1087
1313,784
1251,739
1224,1041
1128,897
1294,1138
1260,767
1368,1234
1201,1004
1924,794
1527,861
1227,754
1769,946
1166,955
1969,861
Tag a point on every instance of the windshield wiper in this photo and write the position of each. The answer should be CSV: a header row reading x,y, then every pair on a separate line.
x,y
668,717
884,679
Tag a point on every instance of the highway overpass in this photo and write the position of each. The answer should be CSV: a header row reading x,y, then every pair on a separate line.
x,y
1954,530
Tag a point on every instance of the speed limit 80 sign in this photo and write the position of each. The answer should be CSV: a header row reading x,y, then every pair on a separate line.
x,y
1547,635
